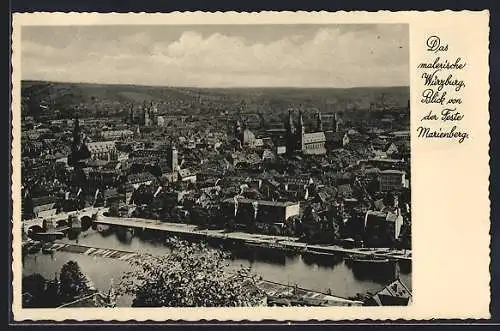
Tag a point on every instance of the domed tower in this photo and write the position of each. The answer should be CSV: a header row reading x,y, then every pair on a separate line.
x,y
237,128
238,131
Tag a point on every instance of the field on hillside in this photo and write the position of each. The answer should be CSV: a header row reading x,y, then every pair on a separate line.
x,y
70,99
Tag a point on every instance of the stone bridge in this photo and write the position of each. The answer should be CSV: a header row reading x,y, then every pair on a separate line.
x,y
61,220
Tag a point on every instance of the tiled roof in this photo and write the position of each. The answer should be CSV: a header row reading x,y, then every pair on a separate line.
x,y
346,188
44,200
314,137
140,177
299,180
263,202
395,293
100,146
393,172
185,173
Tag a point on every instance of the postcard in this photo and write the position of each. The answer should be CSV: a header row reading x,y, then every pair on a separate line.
x,y
286,166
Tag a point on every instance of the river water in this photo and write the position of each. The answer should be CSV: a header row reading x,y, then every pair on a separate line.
x,y
315,272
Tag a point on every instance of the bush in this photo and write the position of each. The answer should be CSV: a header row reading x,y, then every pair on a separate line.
x,y
193,275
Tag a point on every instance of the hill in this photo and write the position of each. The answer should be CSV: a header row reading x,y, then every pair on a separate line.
x,y
70,99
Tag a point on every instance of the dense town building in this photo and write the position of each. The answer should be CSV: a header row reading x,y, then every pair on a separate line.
x,y
391,180
260,210
178,167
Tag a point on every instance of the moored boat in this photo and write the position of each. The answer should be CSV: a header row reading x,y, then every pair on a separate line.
x,y
35,247
368,259
48,248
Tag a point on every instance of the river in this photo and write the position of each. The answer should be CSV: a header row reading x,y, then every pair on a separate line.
x,y
315,272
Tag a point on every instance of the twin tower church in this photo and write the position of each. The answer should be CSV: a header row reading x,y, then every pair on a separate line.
x,y
294,138
312,143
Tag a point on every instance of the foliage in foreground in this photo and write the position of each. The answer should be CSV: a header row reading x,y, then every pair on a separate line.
x,y
39,292
192,275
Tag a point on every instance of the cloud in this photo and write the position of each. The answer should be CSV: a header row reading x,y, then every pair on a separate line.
x,y
330,57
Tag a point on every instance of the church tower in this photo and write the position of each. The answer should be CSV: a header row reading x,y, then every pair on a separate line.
x,y
238,131
173,158
302,131
319,122
290,125
237,128
335,124
147,117
131,114
291,134
302,127
76,143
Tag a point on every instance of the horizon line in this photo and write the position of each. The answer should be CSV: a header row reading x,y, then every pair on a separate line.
x,y
210,87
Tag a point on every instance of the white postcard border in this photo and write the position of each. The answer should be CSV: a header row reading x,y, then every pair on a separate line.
x,y
445,230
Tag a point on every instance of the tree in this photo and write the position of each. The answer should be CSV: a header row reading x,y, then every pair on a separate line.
x,y
40,292
72,282
335,221
192,275
199,215
34,285
310,216
52,297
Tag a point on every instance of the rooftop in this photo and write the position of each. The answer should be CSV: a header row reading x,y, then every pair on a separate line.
x,y
44,200
394,172
314,137
263,202
100,146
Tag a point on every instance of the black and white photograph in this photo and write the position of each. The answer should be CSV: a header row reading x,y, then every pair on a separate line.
x,y
202,165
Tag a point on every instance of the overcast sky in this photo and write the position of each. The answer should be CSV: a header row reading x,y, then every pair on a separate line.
x,y
220,55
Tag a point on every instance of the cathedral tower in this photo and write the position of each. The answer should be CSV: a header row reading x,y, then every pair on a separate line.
x,y
319,122
173,158
76,143
302,131
335,123
291,134
131,114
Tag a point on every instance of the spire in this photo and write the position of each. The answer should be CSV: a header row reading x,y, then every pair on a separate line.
x,y
290,125
319,124
335,122
76,143
131,113
301,120
76,131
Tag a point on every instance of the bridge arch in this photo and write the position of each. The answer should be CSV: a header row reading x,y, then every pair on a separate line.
x,y
34,229
61,223
86,222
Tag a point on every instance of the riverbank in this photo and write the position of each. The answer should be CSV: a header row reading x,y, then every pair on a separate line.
x,y
318,272
278,242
